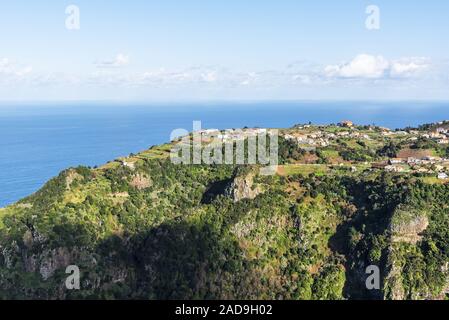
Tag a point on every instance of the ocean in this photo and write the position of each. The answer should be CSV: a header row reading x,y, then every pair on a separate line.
x,y
38,140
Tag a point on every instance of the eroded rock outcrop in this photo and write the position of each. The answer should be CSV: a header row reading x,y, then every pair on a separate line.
x,y
408,224
243,187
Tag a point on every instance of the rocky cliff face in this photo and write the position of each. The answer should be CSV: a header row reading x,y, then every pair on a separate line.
x,y
243,187
408,224
407,228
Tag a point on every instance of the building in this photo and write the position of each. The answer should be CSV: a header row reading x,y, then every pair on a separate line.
x,y
443,176
396,161
435,135
394,169
412,160
127,164
209,133
346,124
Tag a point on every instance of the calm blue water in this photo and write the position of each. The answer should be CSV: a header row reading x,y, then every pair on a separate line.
x,y
38,141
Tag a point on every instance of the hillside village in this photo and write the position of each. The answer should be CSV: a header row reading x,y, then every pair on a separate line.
x,y
423,151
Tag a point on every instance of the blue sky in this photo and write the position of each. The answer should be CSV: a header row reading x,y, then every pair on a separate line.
x,y
176,50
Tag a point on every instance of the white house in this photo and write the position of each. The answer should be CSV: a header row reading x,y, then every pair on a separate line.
x,y
396,161
442,176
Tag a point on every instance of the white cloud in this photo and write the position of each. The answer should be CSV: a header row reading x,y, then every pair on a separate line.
x,y
362,66
4,63
120,60
11,72
366,66
249,78
298,75
409,67
362,75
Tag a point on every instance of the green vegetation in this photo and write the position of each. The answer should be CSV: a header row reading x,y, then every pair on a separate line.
x,y
144,228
